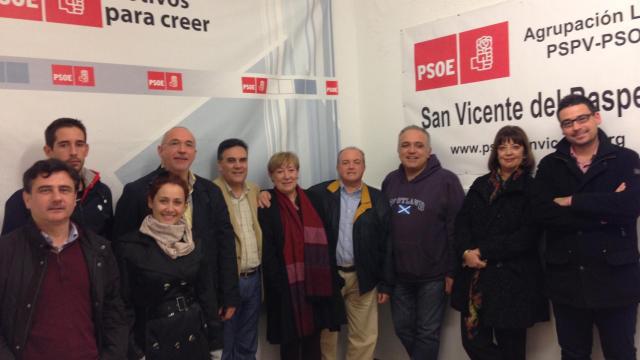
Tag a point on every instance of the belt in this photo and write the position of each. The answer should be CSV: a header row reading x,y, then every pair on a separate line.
x,y
172,306
347,269
249,272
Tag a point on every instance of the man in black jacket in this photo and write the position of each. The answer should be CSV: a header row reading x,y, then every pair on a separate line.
x,y
66,140
207,213
59,284
356,219
587,196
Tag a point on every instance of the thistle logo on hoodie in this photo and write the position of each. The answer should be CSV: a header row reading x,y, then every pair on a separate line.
x,y
405,205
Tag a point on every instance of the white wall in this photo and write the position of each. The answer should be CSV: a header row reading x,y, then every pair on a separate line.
x,y
368,64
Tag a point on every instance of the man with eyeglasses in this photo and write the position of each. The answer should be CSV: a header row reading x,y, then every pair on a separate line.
x,y
587,196
206,214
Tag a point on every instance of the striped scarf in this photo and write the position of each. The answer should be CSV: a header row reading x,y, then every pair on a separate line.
x,y
306,257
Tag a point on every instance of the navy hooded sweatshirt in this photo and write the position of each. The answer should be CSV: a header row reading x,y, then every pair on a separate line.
x,y
423,215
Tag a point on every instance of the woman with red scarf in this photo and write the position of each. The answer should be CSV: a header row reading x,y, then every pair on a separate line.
x,y
498,286
296,266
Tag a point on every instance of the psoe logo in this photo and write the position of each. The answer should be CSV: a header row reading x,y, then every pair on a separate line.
x,y
254,85
332,87
261,85
72,75
483,55
248,85
74,12
436,63
21,9
160,80
174,81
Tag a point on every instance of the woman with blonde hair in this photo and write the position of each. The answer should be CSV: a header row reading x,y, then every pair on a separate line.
x,y
296,265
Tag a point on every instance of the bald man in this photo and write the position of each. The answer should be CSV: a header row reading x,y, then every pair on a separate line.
x,y
207,214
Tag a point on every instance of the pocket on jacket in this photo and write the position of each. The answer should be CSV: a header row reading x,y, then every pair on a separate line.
x,y
556,257
622,257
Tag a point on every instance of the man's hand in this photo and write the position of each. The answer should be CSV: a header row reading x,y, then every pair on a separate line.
x,y
448,285
472,258
383,298
264,199
622,187
226,313
563,201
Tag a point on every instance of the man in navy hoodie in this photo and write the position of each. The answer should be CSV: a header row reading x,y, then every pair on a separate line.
x,y
425,199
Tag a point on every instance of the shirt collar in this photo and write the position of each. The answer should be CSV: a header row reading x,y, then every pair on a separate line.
x,y
343,189
73,236
191,178
245,188
584,166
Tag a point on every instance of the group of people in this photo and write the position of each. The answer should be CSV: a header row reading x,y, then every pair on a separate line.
x,y
189,261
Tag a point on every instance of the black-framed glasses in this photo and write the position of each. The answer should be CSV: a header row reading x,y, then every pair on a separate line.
x,y
565,124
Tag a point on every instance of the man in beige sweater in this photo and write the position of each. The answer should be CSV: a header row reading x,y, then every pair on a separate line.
x,y
241,331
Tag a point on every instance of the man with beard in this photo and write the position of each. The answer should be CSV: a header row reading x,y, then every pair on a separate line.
x,y
66,140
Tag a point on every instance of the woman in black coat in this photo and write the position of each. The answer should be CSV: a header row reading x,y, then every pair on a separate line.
x,y
298,275
167,285
498,286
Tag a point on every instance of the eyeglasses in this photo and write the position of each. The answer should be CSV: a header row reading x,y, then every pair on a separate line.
x,y
565,124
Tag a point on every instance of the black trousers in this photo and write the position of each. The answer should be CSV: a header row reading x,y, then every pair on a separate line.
x,y
306,348
510,344
616,327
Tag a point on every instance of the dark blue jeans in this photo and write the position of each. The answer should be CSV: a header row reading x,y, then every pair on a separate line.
x,y
616,326
417,310
241,331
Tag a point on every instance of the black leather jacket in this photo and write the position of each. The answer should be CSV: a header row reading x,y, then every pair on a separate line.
x,y
23,261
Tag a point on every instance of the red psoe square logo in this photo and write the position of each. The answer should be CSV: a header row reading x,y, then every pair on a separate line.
x,y
83,76
173,81
484,53
332,87
248,85
435,63
156,81
62,74
261,85
76,12
22,9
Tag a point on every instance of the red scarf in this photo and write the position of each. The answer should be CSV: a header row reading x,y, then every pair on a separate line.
x,y
306,257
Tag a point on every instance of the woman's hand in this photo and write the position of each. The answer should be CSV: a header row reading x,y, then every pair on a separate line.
x,y
472,258
215,354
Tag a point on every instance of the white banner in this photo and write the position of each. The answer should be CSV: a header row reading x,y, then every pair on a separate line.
x,y
466,76
259,70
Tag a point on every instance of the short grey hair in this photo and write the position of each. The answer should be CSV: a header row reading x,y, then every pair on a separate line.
x,y
417,128
350,148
